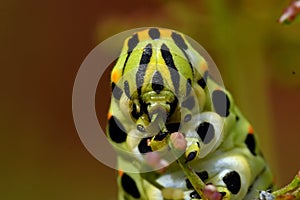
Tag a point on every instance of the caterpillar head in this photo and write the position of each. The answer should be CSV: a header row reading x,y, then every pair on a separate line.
x,y
159,82
155,77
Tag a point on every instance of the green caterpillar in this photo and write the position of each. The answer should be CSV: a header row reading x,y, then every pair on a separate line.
x,y
161,86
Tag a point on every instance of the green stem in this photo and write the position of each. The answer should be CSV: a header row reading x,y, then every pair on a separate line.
x,y
293,188
196,182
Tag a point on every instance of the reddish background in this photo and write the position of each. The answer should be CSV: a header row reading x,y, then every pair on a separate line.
x,y
42,45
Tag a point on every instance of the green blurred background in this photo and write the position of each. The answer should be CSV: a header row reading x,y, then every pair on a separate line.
x,y
42,44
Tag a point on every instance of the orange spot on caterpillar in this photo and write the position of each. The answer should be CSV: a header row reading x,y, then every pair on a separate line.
x,y
143,35
203,66
164,33
109,114
115,76
250,129
120,173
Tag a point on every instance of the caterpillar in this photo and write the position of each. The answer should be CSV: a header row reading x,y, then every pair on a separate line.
x,y
163,96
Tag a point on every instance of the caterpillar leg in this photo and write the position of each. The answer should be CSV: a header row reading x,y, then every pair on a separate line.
x,y
192,150
264,181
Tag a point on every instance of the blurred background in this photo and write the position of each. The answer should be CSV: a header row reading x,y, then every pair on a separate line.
x,y
43,43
